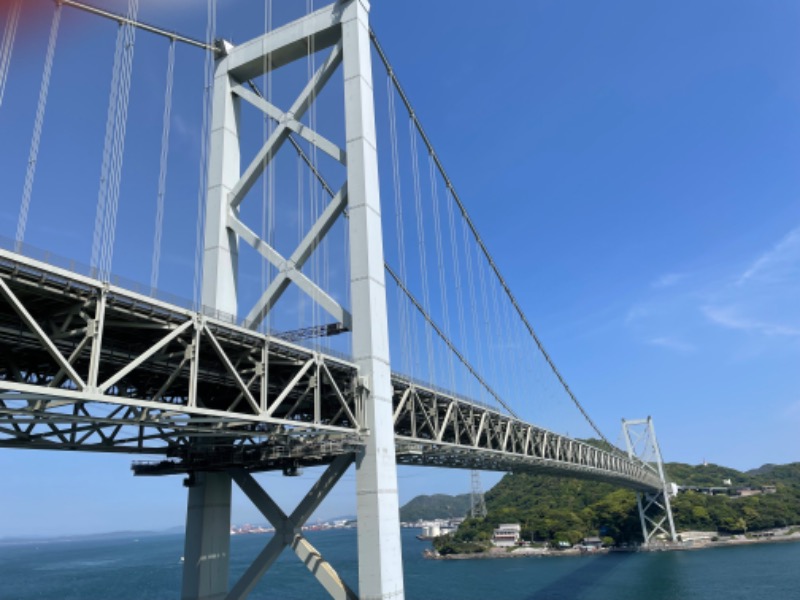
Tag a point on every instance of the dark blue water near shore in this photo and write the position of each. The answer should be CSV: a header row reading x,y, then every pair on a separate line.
x,y
149,568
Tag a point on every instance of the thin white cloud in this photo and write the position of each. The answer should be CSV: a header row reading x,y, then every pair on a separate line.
x,y
779,262
763,300
758,300
672,344
730,318
637,313
668,280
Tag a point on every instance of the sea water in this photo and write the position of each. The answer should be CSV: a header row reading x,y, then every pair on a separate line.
x,y
149,567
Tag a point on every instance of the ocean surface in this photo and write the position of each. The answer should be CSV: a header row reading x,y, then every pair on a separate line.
x,y
148,567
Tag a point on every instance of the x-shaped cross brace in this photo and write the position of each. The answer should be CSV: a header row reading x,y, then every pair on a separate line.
x,y
290,270
288,532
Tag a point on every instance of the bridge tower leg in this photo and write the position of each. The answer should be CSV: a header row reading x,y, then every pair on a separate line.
x,y
655,511
208,517
379,547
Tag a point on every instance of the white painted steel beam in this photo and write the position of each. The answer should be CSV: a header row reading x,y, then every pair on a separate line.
x,y
281,133
28,319
288,532
380,554
320,30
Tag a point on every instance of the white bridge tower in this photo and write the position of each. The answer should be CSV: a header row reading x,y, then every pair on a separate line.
x,y
343,29
655,511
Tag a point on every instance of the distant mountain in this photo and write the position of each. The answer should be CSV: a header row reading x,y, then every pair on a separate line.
x,y
769,473
110,535
437,506
707,475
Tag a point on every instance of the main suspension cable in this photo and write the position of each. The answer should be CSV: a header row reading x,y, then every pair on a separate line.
x,y
202,189
445,339
33,156
113,152
7,45
134,22
479,240
400,285
164,163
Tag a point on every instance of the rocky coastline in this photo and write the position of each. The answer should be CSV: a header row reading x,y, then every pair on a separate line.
x,y
702,541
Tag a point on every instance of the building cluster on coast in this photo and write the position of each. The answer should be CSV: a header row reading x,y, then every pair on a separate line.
x,y
248,528
433,528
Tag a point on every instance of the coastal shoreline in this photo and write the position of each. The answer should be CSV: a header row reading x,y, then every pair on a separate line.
x,y
772,537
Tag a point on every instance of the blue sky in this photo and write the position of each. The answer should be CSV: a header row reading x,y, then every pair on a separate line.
x,y
632,167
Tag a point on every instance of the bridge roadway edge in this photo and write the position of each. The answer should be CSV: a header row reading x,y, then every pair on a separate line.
x,y
504,444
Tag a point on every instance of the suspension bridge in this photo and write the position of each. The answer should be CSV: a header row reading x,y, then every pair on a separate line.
x,y
328,238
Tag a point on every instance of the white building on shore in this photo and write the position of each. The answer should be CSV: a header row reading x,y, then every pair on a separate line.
x,y
506,535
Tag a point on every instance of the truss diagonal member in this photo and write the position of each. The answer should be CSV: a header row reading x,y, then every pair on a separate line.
x,y
308,134
287,531
231,369
23,313
170,380
281,133
59,377
445,421
290,386
401,404
238,398
481,427
340,396
291,268
162,343
254,240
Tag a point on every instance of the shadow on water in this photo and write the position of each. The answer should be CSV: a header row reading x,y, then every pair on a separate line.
x,y
583,579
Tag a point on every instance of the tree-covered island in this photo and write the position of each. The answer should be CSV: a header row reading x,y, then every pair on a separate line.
x,y
552,510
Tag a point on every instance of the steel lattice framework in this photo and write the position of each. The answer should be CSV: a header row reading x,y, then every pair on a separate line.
x,y
91,366
87,365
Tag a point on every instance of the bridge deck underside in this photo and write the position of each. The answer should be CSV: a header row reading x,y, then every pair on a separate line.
x,y
89,366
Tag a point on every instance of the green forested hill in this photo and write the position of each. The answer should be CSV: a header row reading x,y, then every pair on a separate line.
x,y
438,506
786,474
554,509
708,475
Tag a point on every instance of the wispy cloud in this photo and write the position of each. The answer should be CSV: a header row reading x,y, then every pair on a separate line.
x,y
673,344
759,299
778,264
668,280
763,299
636,313
729,318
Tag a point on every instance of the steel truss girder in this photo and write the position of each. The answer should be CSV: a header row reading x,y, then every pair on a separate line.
x,y
435,429
88,365
145,390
